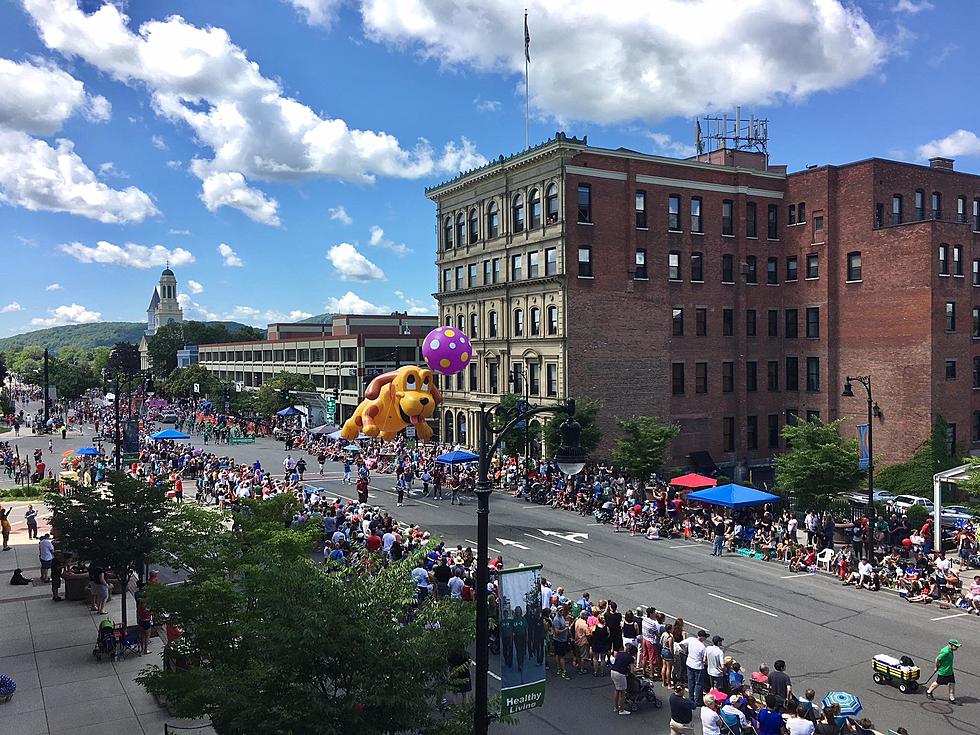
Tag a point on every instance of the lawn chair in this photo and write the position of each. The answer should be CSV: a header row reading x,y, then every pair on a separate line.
x,y
824,558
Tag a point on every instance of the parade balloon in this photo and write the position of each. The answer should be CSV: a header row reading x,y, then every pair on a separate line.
x,y
447,350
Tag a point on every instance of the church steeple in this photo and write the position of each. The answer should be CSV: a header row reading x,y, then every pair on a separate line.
x,y
164,307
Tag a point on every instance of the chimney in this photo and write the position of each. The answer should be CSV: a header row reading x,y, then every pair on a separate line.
x,y
946,164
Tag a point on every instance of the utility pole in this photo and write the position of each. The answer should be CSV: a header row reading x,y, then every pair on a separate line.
x,y
47,399
117,437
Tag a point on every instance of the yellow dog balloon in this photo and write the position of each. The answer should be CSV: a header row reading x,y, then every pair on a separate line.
x,y
405,397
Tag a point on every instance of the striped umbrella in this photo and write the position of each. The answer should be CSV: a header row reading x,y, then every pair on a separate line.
x,y
850,706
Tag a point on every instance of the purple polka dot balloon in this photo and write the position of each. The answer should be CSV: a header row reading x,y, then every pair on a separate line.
x,y
447,350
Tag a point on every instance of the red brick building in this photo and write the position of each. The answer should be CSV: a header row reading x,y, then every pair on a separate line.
x,y
724,294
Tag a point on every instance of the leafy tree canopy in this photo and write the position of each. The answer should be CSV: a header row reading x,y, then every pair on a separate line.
x,y
644,445
914,476
271,399
586,411
820,465
181,382
124,359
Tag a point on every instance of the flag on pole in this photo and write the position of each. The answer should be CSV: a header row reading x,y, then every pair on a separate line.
x,y
527,41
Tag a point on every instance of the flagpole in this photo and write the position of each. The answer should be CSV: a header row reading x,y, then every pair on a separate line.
x,y
527,59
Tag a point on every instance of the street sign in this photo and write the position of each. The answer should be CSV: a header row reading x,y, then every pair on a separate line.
x,y
197,387
410,431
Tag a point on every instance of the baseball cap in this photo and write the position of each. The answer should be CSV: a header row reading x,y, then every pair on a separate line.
x,y
954,642
716,639
702,634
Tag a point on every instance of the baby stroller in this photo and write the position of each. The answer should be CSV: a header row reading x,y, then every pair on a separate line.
x,y
640,689
105,643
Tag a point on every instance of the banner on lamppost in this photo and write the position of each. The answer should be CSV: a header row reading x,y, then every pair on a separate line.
x,y
522,675
864,456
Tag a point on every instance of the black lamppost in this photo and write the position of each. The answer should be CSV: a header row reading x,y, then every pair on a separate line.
x,y
571,460
521,385
873,410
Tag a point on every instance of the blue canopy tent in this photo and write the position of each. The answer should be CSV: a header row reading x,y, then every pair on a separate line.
x,y
732,496
169,434
87,452
458,456
336,435
352,448
289,411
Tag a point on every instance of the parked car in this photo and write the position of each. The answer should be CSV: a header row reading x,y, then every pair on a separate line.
x,y
901,503
169,418
954,513
880,496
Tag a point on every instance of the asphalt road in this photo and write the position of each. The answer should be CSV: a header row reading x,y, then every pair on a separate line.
x,y
826,633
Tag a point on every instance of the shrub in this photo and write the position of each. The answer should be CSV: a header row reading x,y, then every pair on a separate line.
x,y
917,516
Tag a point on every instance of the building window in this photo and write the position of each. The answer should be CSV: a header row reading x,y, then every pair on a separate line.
x,y
792,374
641,210
750,220
534,202
534,378
727,322
535,315
813,374
585,262
550,261
817,225
752,432
951,439
943,259
447,237
791,214
697,267
772,271
641,264
772,376
516,268
487,273
492,324
677,320
920,205
976,427
937,205
772,327
976,215
976,322
471,275
957,260
696,215
534,264
552,321
447,279
700,377
854,266
518,322
673,212
584,203
701,322
773,424
496,270
449,320
772,221
551,378
474,384
792,268
751,271
674,265
950,316
728,433
950,369
751,376
961,209
976,372
493,373
474,225
976,272
812,416
461,323
728,268
474,326
460,230
459,277
801,213
897,209
879,216
551,204
813,322
791,331
677,378
727,224
493,222
518,213
813,265
750,322
727,377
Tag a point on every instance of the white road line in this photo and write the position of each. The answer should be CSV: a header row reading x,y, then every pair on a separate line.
x,y
686,546
795,576
495,551
742,604
947,617
547,541
595,524
431,505
473,663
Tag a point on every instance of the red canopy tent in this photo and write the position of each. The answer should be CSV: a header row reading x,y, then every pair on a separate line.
x,y
693,481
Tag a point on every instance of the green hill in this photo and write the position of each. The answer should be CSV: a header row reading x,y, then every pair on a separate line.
x,y
318,319
86,336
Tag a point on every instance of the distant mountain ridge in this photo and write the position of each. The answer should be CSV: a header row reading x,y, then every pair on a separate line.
x,y
87,336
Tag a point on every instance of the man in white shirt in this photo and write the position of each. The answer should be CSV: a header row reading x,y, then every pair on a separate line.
x,y
799,724
545,595
46,554
456,587
695,648
714,658
710,720
865,570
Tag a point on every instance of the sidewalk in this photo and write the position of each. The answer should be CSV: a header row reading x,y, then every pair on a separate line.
x,y
46,647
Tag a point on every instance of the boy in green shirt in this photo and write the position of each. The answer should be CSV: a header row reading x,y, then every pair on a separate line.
x,y
944,671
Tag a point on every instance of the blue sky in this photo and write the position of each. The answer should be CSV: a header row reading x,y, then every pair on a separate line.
x,y
276,151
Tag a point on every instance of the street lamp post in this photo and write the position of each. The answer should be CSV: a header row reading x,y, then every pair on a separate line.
x,y
848,392
518,379
571,460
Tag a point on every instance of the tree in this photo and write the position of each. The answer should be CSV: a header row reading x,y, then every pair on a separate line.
x,y
124,359
162,348
271,397
181,382
70,378
112,524
586,411
278,643
820,465
914,476
100,359
644,447
514,440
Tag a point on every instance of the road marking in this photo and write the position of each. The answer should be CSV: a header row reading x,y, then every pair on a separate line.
x,y
742,604
505,542
547,541
473,664
572,537
431,505
686,546
947,617
595,524
495,551
795,576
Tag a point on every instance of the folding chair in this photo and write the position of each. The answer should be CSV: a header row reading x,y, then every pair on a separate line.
x,y
129,641
824,558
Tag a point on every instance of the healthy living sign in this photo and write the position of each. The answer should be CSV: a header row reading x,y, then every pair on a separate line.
x,y
522,674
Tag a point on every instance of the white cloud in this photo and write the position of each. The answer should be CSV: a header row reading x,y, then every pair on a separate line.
x,y
37,97
351,303
200,78
687,57
663,143
109,169
98,109
129,255
194,286
36,176
245,314
339,213
417,307
231,257
175,165
228,189
73,314
11,307
184,233
378,239
483,105
352,265
53,287
317,12
960,143
159,142
911,6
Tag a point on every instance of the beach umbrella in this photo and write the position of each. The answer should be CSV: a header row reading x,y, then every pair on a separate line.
x,y
352,448
87,452
289,411
169,434
70,451
850,706
336,435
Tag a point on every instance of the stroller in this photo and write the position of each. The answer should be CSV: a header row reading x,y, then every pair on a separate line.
x,y
105,643
640,689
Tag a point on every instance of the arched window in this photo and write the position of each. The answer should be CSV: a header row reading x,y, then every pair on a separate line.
x,y
552,321
535,315
461,323
474,225
518,322
460,230
519,213
551,204
474,325
449,320
534,202
450,437
492,324
493,221
461,427
447,238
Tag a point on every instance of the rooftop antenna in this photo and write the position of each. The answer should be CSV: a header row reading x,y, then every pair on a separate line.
x,y
719,133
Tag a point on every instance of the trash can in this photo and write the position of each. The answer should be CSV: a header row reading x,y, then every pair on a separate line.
x,y
75,585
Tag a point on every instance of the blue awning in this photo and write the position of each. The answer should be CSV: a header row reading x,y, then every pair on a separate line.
x,y
458,457
289,411
732,496
169,434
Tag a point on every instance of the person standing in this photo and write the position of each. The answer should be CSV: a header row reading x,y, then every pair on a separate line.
x,y
944,671
46,555
714,658
619,672
56,566
695,665
718,545
31,515
5,527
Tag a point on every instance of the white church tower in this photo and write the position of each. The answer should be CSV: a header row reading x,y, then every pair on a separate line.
x,y
163,309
